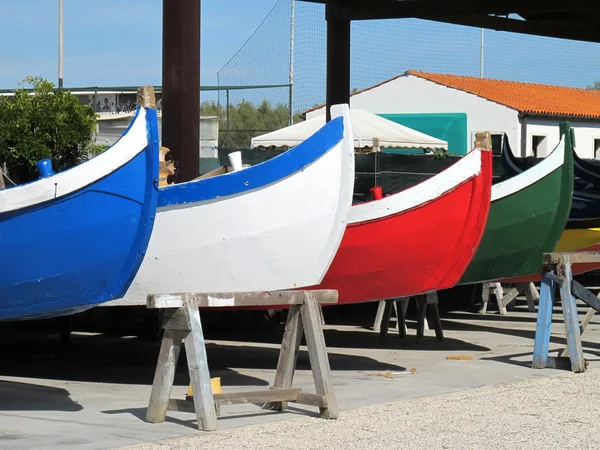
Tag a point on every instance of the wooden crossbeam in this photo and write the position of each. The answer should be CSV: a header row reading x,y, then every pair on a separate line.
x,y
353,10
233,299
575,258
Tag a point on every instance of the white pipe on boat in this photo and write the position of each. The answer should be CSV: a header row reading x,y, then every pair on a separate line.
x,y
235,158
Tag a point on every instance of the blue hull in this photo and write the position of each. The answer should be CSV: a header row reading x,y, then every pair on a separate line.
x,y
83,248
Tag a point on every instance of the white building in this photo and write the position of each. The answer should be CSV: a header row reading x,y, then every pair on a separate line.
x,y
528,113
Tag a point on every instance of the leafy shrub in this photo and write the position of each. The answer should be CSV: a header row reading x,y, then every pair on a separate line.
x,y
43,123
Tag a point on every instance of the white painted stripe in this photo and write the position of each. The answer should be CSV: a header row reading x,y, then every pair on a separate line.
x,y
530,176
427,191
78,177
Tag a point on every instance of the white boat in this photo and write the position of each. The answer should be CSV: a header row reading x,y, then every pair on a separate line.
x,y
276,225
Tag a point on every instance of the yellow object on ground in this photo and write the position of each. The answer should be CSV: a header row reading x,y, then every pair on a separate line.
x,y
215,385
578,239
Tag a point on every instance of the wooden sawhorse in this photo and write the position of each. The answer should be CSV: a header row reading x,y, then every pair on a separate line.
x,y
504,299
182,324
427,310
557,273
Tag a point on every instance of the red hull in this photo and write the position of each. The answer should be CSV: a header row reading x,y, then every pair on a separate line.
x,y
576,269
420,250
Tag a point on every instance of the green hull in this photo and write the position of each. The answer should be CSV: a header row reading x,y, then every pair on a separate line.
x,y
524,225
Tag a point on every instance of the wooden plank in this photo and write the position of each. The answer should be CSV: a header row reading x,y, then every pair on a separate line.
x,y
421,311
543,324
176,319
305,398
213,173
575,257
197,361
555,278
233,299
531,294
571,318
164,376
288,354
259,396
584,295
485,297
432,314
509,297
187,406
379,315
317,352
499,292
385,324
401,307
582,326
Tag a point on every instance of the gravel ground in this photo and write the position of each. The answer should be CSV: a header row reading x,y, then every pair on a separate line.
x,y
542,412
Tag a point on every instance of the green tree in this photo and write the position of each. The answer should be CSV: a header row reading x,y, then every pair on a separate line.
x,y
596,85
247,120
42,122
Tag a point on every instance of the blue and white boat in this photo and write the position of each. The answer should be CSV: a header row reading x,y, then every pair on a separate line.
x,y
75,239
276,225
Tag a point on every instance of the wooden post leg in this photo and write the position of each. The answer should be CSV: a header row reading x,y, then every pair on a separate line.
x,y
401,307
433,315
543,324
379,315
499,296
485,297
421,310
164,376
317,352
385,324
197,361
531,294
395,310
583,326
571,318
288,355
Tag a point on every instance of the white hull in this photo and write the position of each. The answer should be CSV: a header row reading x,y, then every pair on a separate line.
x,y
281,236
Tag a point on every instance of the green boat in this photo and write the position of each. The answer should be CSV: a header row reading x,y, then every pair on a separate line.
x,y
528,215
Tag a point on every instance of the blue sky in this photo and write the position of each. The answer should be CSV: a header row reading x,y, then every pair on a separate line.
x,y
113,42
118,42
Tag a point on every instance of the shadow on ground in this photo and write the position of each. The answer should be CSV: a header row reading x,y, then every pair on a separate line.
x,y
16,396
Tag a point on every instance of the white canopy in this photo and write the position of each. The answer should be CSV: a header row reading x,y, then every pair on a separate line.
x,y
366,126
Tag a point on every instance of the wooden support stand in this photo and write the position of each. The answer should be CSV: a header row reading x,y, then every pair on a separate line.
x,y
182,323
557,274
427,309
505,298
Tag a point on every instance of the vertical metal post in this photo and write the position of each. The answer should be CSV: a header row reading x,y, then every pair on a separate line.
x,y
227,138
60,44
181,85
482,53
338,59
292,46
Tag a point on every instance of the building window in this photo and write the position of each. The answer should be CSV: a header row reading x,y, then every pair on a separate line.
x,y
597,148
497,144
538,146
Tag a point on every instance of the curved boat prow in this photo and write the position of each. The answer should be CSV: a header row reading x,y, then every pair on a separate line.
x,y
527,217
74,239
398,245
275,225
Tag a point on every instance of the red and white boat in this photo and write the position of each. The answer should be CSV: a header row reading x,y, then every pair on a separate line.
x,y
415,241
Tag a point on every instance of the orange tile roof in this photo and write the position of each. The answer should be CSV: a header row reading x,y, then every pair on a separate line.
x,y
524,97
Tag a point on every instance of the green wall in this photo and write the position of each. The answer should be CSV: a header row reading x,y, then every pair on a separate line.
x,y
451,127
